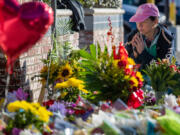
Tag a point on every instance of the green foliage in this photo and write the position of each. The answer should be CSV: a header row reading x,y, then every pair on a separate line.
x,y
64,26
24,119
101,3
47,1
163,76
104,79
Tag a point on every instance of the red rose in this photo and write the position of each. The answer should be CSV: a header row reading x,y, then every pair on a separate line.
x,y
173,67
127,71
135,99
48,103
122,63
140,84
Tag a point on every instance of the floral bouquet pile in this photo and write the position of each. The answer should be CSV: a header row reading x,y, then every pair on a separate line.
x,y
27,117
70,110
112,76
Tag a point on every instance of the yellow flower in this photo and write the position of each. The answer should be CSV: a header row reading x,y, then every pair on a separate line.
x,y
83,90
34,108
44,114
61,85
115,63
65,72
131,61
72,82
139,75
134,81
63,94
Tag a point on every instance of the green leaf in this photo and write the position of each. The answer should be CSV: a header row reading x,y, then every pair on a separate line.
x,y
93,51
85,54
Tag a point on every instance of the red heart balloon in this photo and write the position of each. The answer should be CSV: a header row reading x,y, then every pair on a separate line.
x,y
21,26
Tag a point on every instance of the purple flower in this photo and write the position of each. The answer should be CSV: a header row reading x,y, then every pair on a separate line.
x,y
150,98
16,131
70,111
21,95
177,110
11,97
58,107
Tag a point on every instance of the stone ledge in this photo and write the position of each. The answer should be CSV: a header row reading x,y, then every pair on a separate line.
x,y
103,11
64,12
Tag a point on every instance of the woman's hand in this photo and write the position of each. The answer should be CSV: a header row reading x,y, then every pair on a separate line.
x,y
138,42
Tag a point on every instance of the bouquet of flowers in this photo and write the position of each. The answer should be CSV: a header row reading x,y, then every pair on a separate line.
x,y
70,110
27,115
164,75
62,73
112,76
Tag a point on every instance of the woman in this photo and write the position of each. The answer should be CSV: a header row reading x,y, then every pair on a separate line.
x,y
151,40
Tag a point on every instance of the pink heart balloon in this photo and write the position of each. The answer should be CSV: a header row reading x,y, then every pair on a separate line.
x,y
21,26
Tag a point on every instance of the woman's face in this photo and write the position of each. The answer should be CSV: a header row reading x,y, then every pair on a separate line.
x,y
146,26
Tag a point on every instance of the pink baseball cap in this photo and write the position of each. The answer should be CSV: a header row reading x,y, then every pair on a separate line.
x,y
144,11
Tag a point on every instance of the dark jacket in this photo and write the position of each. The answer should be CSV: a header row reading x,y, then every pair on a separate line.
x,y
78,13
164,48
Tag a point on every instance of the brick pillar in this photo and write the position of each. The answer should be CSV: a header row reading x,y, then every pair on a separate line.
x,y
96,21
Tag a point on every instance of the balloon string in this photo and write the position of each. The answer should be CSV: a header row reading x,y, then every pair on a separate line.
x,y
6,91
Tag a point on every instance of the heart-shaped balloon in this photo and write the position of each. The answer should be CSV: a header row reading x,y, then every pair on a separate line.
x,y
21,26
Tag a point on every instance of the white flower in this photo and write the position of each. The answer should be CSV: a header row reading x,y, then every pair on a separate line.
x,y
26,132
170,100
97,119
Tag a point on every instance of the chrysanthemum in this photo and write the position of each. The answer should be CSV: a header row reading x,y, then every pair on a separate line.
x,y
72,82
65,72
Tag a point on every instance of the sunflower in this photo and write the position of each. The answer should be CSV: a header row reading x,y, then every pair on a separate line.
x,y
65,72
44,70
